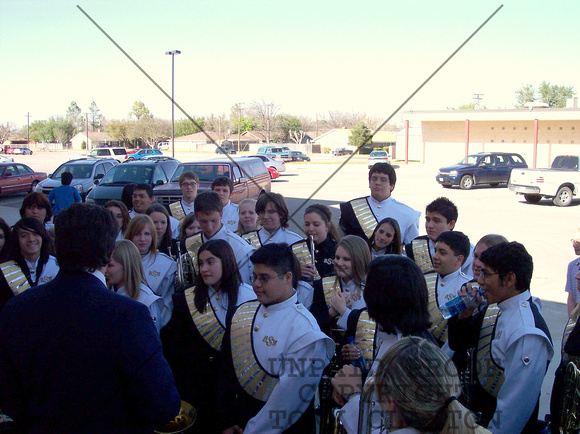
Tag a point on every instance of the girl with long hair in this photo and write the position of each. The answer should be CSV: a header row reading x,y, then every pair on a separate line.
x,y
160,218
121,213
386,238
248,219
125,276
318,225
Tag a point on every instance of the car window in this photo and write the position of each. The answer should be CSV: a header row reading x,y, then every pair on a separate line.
x,y
502,160
237,172
127,174
517,159
78,171
100,169
487,161
470,160
23,170
119,152
10,170
159,175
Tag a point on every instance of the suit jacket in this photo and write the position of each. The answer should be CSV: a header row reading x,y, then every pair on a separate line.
x,y
76,357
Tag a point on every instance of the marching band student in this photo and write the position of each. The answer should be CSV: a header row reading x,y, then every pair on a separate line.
x,y
397,306
193,338
121,214
224,186
142,199
247,217
126,277
159,268
38,206
5,232
318,225
160,218
386,238
188,226
28,262
287,352
188,183
336,295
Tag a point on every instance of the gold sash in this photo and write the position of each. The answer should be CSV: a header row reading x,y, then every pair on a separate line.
x,y
252,239
192,245
251,376
438,323
422,256
489,374
15,277
569,327
206,323
300,249
177,210
364,215
330,286
365,336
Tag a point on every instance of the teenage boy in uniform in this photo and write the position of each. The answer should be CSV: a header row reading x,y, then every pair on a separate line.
x,y
208,212
188,183
142,199
276,350
224,186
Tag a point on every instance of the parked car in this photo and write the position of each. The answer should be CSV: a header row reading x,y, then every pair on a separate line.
x,y
18,177
152,172
21,151
378,157
272,150
85,172
137,154
5,159
274,174
224,150
296,156
163,145
249,175
279,165
491,168
118,154
560,183
341,151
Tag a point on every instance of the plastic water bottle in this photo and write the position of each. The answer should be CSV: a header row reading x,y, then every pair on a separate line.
x,y
360,362
458,304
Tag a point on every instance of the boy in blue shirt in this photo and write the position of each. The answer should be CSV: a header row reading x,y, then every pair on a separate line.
x,y
64,196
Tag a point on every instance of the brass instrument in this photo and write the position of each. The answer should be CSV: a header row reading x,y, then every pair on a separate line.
x,y
366,406
185,271
329,412
312,249
569,417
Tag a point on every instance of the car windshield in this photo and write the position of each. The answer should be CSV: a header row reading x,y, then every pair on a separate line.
x,y
378,153
78,171
119,152
470,160
206,172
128,174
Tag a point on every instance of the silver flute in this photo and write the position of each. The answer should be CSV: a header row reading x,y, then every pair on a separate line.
x,y
312,253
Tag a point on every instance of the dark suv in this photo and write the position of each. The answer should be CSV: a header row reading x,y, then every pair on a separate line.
x,y
84,170
491,168
153,172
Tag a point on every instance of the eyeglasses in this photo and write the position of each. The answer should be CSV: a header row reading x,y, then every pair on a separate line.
x,y
188,184
264,278
485,274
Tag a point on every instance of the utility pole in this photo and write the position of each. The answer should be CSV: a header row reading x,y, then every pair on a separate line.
x,y
239,123
478,97
268,123
28,133
87,122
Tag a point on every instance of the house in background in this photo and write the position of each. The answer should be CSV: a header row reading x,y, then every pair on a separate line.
x,y
96,139
338,138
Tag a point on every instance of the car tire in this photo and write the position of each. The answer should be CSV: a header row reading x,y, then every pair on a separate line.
x,y
563,197
466,182
532,198
33,186
130,158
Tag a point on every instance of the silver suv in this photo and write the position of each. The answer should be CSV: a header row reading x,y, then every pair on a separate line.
x,y
118,154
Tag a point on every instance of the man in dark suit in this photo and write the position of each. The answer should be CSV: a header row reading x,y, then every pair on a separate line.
x,y
76,357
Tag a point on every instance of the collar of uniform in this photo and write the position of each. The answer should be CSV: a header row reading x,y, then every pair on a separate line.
x,y
267,234
515,300
348,287
187,205
380,252
450,276
280,306
373,201
99,276
217,236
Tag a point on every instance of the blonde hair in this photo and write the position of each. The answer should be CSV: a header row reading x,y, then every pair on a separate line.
x,y
253,201
137,224
424,384
127,256
360,258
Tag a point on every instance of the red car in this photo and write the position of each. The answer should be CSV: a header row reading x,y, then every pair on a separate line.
x,y
18,177
274,174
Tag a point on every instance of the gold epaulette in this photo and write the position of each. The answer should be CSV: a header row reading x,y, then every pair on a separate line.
x,y
365,336
251,376
489,374
567,330
438,323
192,245
422,256
252,239
302,253
365,216
177,210
330,286
206,323
15,277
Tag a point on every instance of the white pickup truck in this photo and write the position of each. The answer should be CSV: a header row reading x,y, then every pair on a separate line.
x,y
561,182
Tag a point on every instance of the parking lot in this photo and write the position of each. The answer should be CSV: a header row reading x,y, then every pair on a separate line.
x,y
544,229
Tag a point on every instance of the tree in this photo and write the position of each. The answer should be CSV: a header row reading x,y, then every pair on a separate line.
x,y
39,132
524,94
7,131
218,124
73,114
119,129
95,116
185,127
555,96
140,111
469,106
62,129
149,130
360,136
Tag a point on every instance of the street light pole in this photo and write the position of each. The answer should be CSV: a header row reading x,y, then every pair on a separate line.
x,y
172,54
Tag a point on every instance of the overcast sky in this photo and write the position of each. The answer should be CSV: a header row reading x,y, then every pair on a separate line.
x,y
306,56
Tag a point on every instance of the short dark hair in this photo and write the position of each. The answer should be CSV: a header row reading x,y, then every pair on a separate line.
x,y
208,202
85,237
278,202
223,181
385,168
457,241
280,258
66,178
188,174
38,199
145,187
396,295
510,257
445,207
35,226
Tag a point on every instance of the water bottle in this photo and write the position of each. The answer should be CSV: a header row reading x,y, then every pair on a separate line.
x,y
458,304
360,362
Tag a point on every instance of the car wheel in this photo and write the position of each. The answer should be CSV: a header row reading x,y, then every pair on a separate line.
x,y
466,182
532,198
33,186
563,197
130,158
494,184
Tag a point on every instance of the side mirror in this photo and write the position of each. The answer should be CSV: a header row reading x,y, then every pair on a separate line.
x,y
159,182
243,179
96,181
